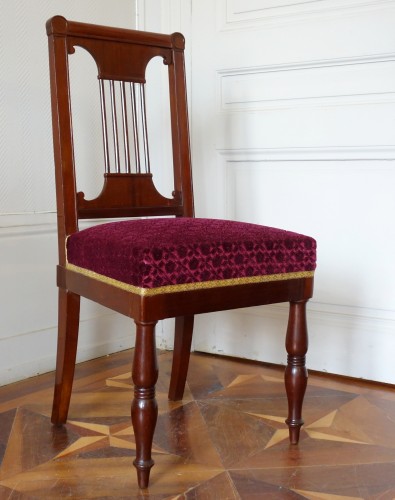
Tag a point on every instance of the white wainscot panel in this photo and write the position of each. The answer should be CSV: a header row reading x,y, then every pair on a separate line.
x,y
347,206
28,302
249,12
340,102
359,126
342,340
341,81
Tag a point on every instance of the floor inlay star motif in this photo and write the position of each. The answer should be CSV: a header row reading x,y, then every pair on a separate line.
x,y
226,439
102,436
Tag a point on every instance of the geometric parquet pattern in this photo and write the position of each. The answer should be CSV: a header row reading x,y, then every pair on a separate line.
x,y
226,439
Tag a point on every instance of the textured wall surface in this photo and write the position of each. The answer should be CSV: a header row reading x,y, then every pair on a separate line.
x,y
28,253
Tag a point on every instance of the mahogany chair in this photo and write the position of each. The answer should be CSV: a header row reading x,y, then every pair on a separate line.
x,y
160,262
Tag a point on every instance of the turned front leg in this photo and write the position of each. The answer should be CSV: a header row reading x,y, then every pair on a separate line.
x,y
144,406
296,373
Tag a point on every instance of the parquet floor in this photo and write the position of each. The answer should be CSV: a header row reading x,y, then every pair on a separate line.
x,y
226,440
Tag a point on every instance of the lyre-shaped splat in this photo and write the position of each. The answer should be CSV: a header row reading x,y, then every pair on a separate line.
x,y
128,188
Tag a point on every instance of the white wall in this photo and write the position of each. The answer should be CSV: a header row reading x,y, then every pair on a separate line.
x,y
294,126
294,130
28,253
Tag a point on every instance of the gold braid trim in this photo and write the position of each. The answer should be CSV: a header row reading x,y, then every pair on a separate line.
x,y
187,287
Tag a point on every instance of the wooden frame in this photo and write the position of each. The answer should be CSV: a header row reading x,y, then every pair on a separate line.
x,y
131,195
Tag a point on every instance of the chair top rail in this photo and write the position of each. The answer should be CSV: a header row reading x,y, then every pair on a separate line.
x,y
58,25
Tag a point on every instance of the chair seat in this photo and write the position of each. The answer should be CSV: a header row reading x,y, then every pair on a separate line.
x,y
168,266
160,255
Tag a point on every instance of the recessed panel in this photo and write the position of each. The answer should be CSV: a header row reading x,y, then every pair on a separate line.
x,y
332,82
252,11
345,205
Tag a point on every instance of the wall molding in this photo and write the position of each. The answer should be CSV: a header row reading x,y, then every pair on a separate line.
x,y
14,368
385,153
24,224
173,15
316,63
334,314
338,337
242,14
326,82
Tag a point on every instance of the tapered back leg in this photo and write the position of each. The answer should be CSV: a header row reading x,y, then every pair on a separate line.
x,y
69,316
182,348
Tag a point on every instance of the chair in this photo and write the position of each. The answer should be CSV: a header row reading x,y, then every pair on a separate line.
x,y
158,261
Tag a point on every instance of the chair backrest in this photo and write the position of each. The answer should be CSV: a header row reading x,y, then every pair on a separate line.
x,y
121,57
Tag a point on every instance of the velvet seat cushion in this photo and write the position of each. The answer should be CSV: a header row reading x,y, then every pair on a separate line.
x,y
149,254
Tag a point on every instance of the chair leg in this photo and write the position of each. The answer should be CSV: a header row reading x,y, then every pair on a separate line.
x,y
144,406
296,372
68,323
182,349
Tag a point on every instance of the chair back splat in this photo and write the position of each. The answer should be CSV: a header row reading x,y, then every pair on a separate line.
x,y
161,261
121,58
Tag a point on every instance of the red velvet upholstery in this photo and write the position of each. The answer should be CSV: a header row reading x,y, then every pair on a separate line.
x,y
174,251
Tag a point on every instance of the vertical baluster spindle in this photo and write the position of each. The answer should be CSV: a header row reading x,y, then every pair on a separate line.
x,y
135,127
144,128
115,126
104,126
125,128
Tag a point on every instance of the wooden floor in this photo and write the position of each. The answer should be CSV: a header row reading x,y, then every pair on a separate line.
x,y
226,440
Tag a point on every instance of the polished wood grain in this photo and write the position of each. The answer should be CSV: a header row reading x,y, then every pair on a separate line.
x,y
122,56
226,440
